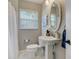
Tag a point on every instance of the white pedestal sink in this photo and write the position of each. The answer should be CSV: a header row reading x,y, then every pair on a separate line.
x,y
48,42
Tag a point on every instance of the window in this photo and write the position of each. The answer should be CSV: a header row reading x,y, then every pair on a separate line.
x,y
28,19
44,23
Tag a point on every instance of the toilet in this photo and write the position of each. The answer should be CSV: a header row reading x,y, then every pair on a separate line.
x,y
32,50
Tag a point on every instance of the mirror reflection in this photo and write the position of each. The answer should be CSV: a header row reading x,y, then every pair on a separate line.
x,y
54,16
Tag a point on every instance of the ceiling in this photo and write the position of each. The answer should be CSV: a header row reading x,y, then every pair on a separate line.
x,y
36,1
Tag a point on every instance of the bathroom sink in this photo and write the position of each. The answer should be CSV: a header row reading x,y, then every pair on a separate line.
x,y
48,42
43,40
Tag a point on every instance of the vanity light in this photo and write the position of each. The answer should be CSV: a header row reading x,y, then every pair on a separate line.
x,y
46,2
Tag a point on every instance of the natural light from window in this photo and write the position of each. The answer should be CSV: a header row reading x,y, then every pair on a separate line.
x,y
28,19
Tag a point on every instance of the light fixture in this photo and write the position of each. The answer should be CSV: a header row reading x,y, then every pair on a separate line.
x,y
46,2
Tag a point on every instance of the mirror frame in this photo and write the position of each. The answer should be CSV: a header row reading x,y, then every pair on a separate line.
x,y
59,20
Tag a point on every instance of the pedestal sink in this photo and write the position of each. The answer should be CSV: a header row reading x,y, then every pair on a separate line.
x,y
48,42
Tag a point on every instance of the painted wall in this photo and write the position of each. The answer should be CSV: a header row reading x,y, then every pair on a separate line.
x,y
68,18
29,34
14,3
68,27
12,33
60,52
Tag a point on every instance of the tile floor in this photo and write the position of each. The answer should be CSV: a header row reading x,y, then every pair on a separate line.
x,y
25,55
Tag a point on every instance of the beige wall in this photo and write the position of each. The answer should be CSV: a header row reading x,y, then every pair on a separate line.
x,y
31,34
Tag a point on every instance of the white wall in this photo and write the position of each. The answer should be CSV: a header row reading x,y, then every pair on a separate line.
x,y
12,33
68,27
68,18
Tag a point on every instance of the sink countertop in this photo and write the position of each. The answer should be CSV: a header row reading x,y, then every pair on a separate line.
x,y
48,38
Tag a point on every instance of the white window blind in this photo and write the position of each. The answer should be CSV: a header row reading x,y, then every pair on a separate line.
x,y
28,19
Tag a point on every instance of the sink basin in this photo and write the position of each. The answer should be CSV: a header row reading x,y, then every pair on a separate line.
x,y
48,43
43,40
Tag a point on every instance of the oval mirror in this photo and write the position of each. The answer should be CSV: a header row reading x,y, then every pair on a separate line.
x,y
55,16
